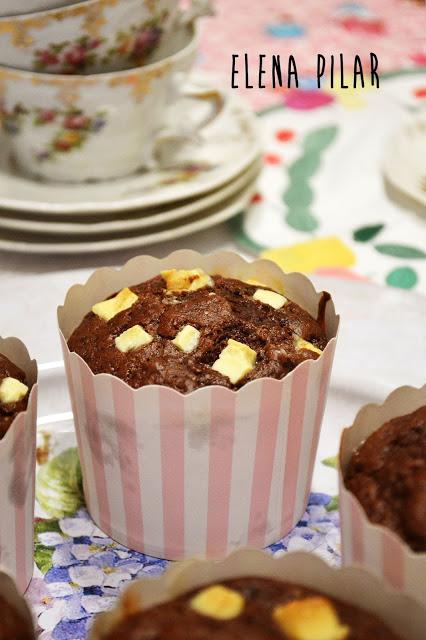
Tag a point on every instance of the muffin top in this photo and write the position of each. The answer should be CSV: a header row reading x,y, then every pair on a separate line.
x,y
388,476
186,329
13,393
252,608
13,624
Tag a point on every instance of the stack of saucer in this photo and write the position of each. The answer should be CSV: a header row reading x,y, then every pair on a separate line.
x,y
107,143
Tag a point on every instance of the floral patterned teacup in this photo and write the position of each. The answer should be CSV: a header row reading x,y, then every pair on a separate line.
x,y
80,128
95,36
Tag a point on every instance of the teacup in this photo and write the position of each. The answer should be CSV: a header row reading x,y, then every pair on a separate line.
x,y
80,128
94,36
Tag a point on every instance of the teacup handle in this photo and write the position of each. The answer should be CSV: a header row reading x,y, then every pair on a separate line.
x,y
217,101
196,9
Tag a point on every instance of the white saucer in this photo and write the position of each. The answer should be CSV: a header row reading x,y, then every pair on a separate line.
x,y
405,160
228,146
139,220
19,242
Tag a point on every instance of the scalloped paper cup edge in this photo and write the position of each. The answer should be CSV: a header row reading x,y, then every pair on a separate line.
x,y
17,489
363,542
176,475
351,584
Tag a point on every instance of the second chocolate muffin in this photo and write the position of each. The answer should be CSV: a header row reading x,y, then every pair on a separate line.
x,y
388,476
13,393
186,329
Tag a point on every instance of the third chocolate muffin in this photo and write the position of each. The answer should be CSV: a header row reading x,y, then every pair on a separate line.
x,y
187,329
254,609
13,393
388,476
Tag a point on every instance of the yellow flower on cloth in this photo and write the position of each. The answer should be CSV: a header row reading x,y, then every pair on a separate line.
x,y
350,98
312,255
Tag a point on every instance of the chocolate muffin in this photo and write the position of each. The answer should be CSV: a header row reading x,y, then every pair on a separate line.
x,y
254,609
13,393
388,476
12,624
186,329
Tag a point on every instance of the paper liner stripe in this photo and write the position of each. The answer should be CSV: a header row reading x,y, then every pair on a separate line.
x,y
270,405
94,436
221,444
82,451
357,533
243,459
322,397
17,495
393,560
84,444
297,410
32,428
172,424
148,435
128,462
19,477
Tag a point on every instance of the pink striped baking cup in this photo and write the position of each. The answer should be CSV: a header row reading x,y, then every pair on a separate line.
x,y
17,488
355,586
176,475
363,542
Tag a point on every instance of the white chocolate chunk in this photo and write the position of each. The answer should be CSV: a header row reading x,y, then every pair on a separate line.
x,y
235,361
186,279
12,390
132,339
218,602
312,618
275,300
300,343
187,339
110,308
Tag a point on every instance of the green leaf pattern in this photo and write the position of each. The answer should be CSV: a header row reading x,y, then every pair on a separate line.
x,y
299,195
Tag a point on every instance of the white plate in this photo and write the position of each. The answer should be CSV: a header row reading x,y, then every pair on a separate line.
x,y
228,146
405,160
377,350
141,220
50,245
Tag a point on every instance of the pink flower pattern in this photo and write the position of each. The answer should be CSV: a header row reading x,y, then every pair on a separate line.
x,y
85,54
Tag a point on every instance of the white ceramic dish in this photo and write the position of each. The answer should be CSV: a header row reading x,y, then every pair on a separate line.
x,y
404,163
230,145
140,220
58,245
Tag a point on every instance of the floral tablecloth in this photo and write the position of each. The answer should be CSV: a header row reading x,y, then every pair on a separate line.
x,y
393,29
322,200
323,205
